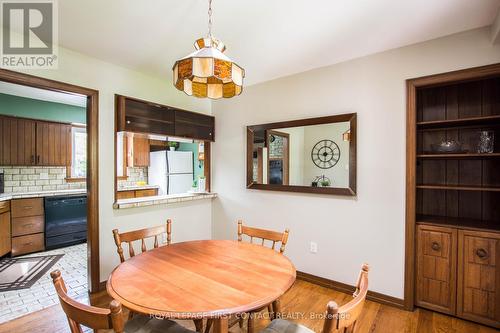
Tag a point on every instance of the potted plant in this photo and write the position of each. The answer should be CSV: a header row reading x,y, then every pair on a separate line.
x,y
325,183
173,145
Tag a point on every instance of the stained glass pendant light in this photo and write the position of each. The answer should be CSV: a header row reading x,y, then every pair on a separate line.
x,y
207,72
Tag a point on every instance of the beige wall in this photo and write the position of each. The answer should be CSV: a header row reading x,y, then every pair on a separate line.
x,y
191,221
349,231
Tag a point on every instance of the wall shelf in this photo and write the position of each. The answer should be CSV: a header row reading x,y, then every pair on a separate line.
x,y
484,120
459,155
459,187
464,223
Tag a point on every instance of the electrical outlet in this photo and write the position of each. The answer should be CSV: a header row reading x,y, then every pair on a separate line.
x,y
313,247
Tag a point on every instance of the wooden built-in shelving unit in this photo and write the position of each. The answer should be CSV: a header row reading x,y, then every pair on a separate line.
x,y
453,199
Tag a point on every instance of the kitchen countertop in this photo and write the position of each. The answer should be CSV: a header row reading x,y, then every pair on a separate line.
x,y
41,194
138,187
161,199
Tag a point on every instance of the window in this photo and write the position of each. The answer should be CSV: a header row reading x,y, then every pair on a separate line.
x,y
79,152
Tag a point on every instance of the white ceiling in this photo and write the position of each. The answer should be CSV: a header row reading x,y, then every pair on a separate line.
x,y
269,38
42,94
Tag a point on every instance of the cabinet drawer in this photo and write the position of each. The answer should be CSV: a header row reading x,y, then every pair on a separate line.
x,y
27,207
145,193
27,244
4,206
27,225
125,195
479,277
436,268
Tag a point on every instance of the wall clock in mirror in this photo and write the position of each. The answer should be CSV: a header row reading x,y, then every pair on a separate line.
x,y
325,154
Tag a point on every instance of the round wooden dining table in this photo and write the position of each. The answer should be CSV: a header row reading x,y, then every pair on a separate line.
x,y
202,279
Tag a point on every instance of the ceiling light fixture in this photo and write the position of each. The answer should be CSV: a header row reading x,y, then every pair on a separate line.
x,y
207,72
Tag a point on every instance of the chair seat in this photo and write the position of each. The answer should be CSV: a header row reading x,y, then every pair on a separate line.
x,y
285,326
145,324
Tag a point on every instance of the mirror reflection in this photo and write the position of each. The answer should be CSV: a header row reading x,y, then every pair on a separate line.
x,y
316,155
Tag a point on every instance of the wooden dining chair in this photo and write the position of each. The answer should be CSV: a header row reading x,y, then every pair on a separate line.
x,y
142,235
261,236
341,319
98,318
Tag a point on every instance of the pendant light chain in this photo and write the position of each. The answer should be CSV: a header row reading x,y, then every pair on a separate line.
x,y
210,18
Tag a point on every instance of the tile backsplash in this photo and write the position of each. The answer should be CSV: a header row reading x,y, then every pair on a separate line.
x,y
134,175
35,179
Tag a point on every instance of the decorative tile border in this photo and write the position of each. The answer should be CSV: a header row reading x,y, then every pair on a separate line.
x,y
160,200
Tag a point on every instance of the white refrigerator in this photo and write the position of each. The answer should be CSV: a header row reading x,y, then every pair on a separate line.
x,y
172,171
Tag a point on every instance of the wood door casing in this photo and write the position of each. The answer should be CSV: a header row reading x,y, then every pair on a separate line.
x,y
436,268
479,277
18,141
53,144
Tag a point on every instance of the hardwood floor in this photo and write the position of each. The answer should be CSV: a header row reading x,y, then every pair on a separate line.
x,y
303,303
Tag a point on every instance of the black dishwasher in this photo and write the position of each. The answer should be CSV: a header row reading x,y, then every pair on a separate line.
x,y
65,221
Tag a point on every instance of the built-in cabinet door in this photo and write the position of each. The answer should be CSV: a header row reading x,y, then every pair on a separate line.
x,y
479,277
5,234
53,145
138,151
436,268
17,146
194,125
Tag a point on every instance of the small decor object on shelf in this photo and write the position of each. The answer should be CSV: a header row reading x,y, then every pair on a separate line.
x,y
173,145
486,142
321,180
325,154
202,184
447,146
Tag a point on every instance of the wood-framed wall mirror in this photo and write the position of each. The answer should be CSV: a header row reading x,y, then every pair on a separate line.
x,y
314,155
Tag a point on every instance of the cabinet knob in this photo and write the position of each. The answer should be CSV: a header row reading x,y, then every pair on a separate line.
x,y
435,246
482,253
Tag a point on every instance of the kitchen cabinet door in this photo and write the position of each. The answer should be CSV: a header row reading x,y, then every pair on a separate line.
x,y
478,295
138,151
436,268
17,145
5,240
194,125
53,145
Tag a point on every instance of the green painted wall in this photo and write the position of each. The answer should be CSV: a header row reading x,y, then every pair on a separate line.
x,y
37,109
198,169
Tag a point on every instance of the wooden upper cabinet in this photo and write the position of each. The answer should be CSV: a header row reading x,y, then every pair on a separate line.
x,y
436,268
134,115
26,142
53,144
143,117
479,277
17,145
194,125
137,151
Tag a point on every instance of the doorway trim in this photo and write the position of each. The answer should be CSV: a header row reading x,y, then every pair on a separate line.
x,y
92,159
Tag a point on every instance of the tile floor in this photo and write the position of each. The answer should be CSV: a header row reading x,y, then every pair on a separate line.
x,y
73,267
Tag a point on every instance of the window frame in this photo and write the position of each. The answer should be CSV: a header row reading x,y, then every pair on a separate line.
x,y
69,170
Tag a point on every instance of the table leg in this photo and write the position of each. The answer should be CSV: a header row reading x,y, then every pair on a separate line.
x,y
277,308
221,325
